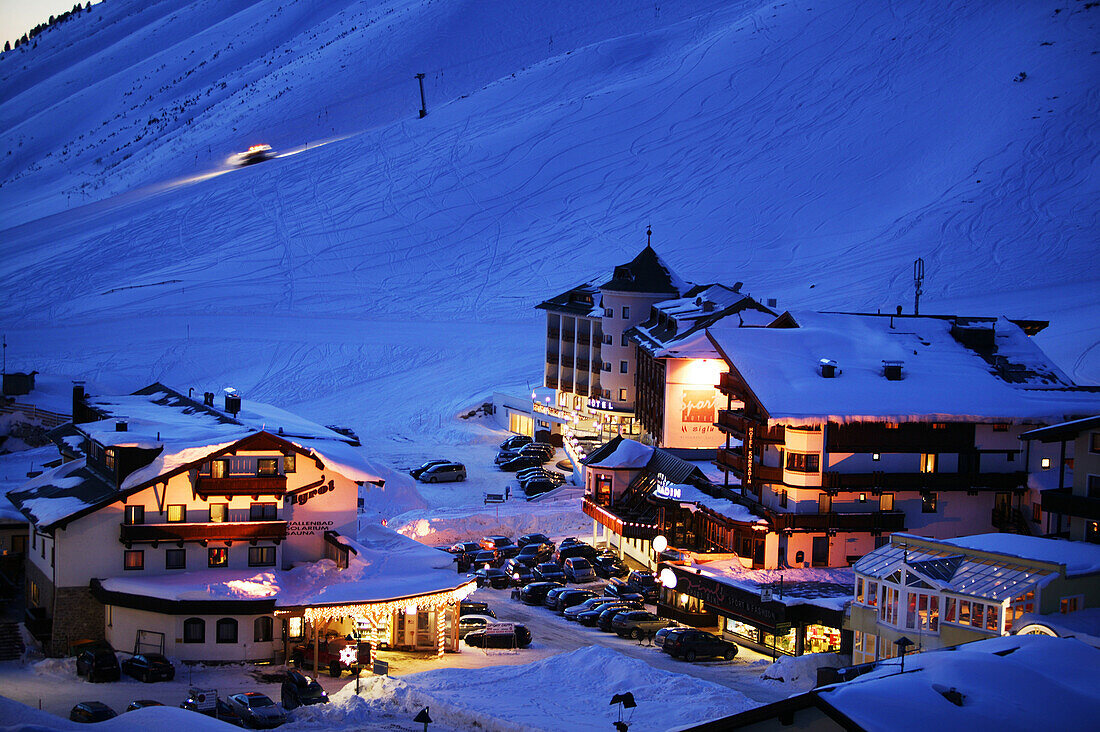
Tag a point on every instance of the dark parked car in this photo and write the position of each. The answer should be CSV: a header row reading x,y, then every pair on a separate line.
x,y
659,637
444,473
505,455
535,592
571,597
608,615
91,711
464,553
637,623
536,488
532,554
98,664
520,638
487,558
519,462
299,690
518,572
495,541
645,583
257,710
579,570
624,591
515,442
574,612
542,455
550,572
591,618
142,704
495,578
532,539
689,644
417,472
473,607
574,549
609,566
149,667
552,596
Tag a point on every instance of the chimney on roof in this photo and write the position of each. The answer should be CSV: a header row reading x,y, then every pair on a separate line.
x,y
208,398
772,302
828,368
892,370
708,306
121,425
78,401
232,401
737,286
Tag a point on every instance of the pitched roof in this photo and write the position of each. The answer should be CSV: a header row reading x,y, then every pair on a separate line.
x,y
647,272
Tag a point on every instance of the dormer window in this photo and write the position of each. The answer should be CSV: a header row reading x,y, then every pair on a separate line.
x,y
109,460
622,272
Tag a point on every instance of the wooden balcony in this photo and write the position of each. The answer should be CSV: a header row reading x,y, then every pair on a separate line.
x,y
734,461
730,385
1062,501
241,485
879,480
887,521
621,525
223,531
736,424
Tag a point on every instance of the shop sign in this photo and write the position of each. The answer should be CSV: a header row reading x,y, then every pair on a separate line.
x,y
664,489
301,496
728,598
500,629
307,528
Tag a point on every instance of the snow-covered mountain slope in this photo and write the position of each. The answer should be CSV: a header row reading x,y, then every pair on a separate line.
x,y
810,149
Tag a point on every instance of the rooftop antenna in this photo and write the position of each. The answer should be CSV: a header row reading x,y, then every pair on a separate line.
x,y
918,281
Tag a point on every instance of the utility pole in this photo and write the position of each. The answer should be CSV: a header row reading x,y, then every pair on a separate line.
x,y
423,105
918,281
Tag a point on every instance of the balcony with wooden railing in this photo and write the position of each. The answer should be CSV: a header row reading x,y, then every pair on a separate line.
x,y
623,525
1062,501
241,485
879,480
733,461
736,423
214,531
887,521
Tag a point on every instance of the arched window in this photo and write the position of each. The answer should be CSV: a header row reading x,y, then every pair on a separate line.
x,y
194,630
227,630
261,629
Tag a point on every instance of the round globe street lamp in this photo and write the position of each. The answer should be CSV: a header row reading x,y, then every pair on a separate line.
x,y
668,578
660,543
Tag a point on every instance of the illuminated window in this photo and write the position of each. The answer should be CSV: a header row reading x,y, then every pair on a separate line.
x,y
803,462
928,462
177,514
1070,604
34,593
863,498
219,513
875,456
622,395
109,460
289,464
218,557
133,559
1000,428
1045,463
295,627
219,468
267,466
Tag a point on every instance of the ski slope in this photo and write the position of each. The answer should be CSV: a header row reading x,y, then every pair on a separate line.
x,y
381,273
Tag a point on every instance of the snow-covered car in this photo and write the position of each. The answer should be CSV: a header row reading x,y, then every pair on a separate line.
x,y
257,710
149,667
470,623
142,704
299,690
254,154
520,637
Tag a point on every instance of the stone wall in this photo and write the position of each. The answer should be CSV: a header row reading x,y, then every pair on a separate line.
x,y
77,616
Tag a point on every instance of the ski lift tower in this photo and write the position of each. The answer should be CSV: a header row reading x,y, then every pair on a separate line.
x,y
918,282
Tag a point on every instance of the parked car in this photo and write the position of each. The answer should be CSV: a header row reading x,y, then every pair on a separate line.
x,y
551,599
532,554
624,591
574,612
538,472
495,541
542,455
659,637
690,644
468,607
468,623
591,618
328,654
536,488
608,615
609,566
519,638
545,447
299,690
142,704
518,572
532,539
464,553
256,709
571,597
550,572
520,461
149,667
486,558
515,442
579,570
575,549
637,623
417,472
91,711
534,593
645,583
98,664
443,473
491,577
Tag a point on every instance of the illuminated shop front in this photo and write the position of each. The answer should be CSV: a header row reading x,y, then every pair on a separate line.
x,y
790,626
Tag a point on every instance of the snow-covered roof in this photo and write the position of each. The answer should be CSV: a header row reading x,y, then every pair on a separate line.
x,y
647,273
946,567
1082,624
383,565
828,587
690,497
942,379
61,492
1010,683
622,454
677,327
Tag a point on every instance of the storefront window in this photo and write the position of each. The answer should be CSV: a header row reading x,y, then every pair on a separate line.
x,y
821,639
743,630
784,643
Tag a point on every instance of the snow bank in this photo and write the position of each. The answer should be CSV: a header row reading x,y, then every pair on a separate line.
x,y
800,672
16,716
441,526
